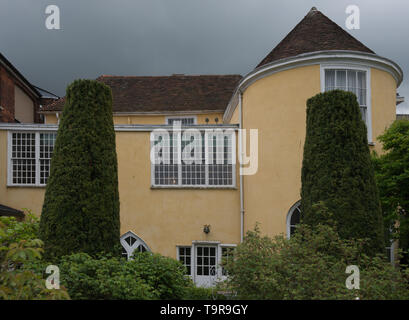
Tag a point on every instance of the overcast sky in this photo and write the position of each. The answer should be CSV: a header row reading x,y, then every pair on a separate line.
x,y
162,37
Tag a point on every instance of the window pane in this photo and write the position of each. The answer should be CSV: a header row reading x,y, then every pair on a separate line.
x,y
193,170
351,79
329,80
23,162
341,80
47,141
362,88
184,258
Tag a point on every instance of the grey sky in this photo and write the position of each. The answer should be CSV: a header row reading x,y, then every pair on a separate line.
x,y
162,37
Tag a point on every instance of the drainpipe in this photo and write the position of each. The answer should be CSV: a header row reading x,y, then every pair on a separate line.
x,y
240,166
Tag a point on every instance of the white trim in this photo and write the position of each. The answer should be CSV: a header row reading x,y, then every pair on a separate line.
x,y
217,244
313,58
37,183
9,154
191,257
178,162
358,67
289,215
139,241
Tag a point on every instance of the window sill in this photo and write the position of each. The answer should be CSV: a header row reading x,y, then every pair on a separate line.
x,y
195,187
25,186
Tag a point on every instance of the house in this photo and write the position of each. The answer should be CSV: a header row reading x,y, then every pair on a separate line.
x,y
197,211
20,102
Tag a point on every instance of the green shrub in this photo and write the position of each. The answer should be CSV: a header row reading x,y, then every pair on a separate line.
x,y
146,276
310,265
337,170
19,248
392,178
81,205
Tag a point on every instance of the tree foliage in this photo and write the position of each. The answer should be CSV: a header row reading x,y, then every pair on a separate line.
x,y
19,247
311,265
81,206
147,276
337,170
392,177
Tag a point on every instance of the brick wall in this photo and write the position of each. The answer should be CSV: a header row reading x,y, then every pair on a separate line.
x,y
6,96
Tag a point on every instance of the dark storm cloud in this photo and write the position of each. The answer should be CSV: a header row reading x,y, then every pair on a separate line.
x,y
161,37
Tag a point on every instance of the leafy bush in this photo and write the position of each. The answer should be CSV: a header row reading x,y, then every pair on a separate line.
x,y
146,276
81,205
337,170
15,230
19,247
310,265
392,178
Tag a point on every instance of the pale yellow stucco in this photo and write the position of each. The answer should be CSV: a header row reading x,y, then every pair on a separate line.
x,y
383,96
165,218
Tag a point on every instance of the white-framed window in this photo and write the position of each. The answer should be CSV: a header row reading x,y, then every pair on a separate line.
x,y
226,255
29,157
203,261
184,121
293,218
185,257
131,242
355,79
193,158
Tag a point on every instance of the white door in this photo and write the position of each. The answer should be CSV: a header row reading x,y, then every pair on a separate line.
x,y
205,265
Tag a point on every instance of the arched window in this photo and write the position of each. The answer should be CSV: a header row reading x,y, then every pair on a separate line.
x,y
131,242
293,218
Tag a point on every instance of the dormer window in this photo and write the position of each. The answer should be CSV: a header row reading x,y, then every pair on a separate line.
x,y
352,79
184,121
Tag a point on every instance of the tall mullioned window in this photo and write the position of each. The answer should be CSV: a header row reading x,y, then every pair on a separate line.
x,y
30,157
349,80
193,158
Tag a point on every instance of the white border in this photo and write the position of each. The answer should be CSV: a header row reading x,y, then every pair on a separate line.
x,y
37,183
289,215
219,276
357,67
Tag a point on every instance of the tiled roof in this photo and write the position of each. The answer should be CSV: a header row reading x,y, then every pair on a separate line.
x,y
315,32
166,93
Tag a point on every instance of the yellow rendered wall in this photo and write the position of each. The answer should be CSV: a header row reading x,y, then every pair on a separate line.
x,y
276,106
163,218
17,197
383,98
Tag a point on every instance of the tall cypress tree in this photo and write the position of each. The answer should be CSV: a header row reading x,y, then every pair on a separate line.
x,y
81,206
338,172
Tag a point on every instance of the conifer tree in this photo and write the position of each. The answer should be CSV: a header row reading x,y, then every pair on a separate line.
x,y
81,206
337,170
